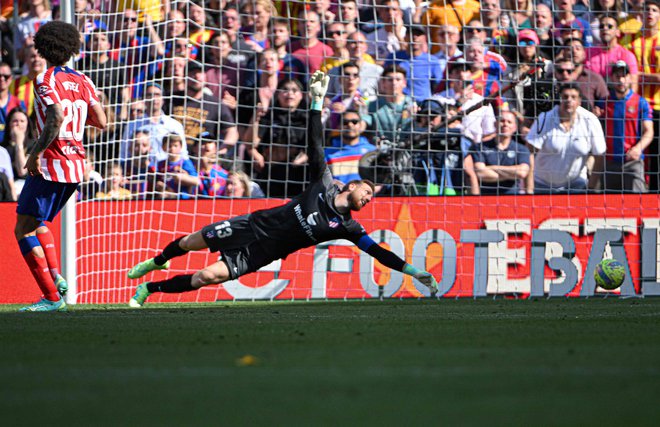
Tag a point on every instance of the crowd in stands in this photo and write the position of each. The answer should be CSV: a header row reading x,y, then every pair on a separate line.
x,y
208,98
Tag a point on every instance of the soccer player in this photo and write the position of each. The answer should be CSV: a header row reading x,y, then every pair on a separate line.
x,y
251,241
64,101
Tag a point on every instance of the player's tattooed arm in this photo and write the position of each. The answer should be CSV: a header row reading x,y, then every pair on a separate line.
x,y
52,124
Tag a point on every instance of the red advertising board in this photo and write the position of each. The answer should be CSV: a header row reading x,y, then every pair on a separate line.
x,y
430,232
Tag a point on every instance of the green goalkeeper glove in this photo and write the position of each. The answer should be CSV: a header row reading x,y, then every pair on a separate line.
x,y
424,277
318,86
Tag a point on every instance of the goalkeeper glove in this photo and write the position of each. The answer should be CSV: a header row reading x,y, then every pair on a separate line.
x,y
424,277
318,86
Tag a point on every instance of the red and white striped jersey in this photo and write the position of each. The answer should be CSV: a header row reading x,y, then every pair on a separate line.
x,y
64,159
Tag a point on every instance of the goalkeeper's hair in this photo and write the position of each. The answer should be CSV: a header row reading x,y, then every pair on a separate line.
x,y
57,42
358,182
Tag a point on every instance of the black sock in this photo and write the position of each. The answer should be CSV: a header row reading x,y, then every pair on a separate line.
x,y
174,285
172,250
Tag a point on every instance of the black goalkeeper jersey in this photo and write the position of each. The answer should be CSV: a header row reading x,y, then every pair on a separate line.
x,y
311,217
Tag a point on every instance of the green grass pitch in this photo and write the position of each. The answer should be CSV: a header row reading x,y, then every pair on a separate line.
x,y
356,363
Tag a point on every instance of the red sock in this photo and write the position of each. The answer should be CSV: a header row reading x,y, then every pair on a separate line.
x,y
39,268
48,244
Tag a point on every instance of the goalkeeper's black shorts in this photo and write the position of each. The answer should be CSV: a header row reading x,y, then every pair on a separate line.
x,y
238,245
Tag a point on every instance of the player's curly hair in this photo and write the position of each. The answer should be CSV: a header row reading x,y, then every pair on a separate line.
x,y
57,42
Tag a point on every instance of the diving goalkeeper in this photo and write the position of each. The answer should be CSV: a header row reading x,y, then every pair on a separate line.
x,y
248,242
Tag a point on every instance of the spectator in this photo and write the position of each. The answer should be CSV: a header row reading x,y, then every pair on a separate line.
x,y
137,52
610,51
562,140
7,169
156,122
566,19
139,171
501,165
176,176
103,70
309,49
322,8
92,179
114,186
498,26
200,26
6,193
448,37
628,133
23,87
18,138
350,98
349,15
486,72
437,149
7,101
649,78
200,111
38,14
543,23
290,66
390,35
175,27
476,30
369,71
258,33
451,12
336,38
212,176
174,76
633,24
240,185
525,76
613,8
242,56
478,117
421,67
224,76
259,93
592,85
393,109
346,150
277,142
521,12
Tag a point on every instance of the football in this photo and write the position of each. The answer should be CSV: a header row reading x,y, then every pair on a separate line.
x,y
609,274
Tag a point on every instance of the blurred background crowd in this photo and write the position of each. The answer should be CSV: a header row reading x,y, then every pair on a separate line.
x,y
208,98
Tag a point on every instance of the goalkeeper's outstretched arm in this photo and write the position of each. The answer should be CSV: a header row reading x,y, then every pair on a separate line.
x,y
318,85
391,260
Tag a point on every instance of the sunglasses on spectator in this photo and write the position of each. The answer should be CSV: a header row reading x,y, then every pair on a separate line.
x,y
526,43
474,29
335,33
351,121
565,70
130,18
5,76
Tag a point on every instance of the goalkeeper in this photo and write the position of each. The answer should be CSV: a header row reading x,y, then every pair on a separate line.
x,y
248,242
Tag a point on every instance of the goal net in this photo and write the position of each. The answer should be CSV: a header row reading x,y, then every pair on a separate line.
x,y
207,113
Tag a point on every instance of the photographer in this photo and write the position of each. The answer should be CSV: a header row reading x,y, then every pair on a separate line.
x,y
437,153
478,116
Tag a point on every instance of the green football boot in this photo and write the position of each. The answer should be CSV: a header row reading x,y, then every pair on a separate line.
x,y
141,295
146,267
61,285
46,305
